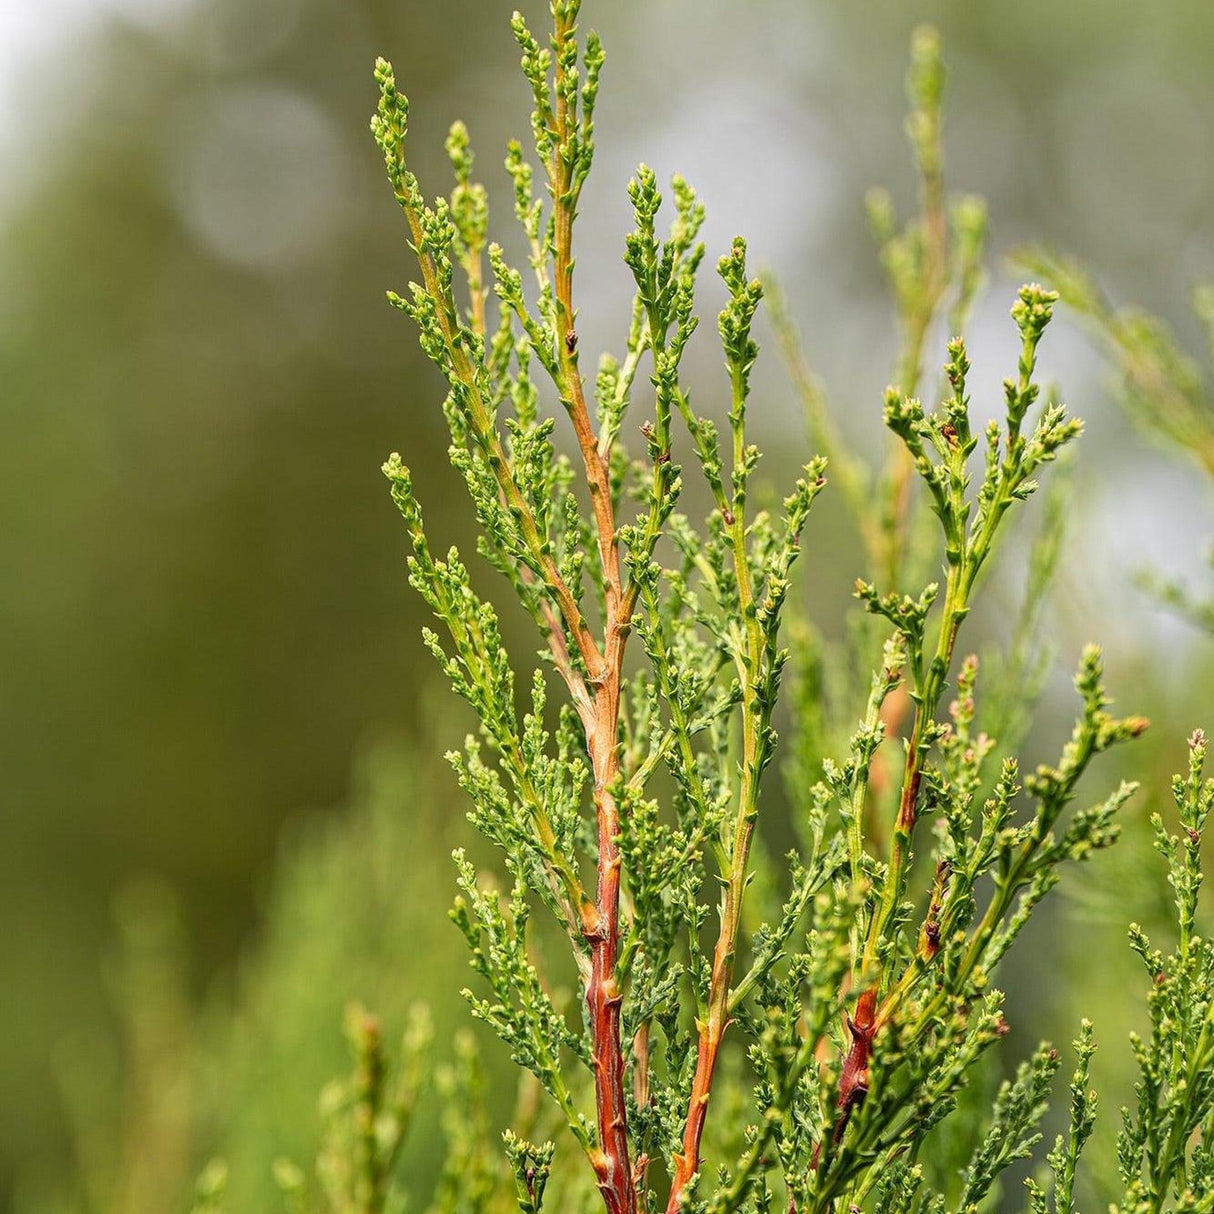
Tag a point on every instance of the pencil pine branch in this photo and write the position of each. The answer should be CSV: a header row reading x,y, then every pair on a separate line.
x,y
621,783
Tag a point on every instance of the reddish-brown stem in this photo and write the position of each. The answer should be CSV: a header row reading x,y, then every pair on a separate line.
x,y
712,1030
853,1079
754,726
603,997
613,1169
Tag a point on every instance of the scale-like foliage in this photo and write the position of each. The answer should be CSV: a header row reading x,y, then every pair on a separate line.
x,y
628,809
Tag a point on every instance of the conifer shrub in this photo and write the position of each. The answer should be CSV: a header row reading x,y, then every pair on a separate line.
x,y
697,1025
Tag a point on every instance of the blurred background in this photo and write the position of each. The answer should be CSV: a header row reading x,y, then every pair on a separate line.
x,y
221,811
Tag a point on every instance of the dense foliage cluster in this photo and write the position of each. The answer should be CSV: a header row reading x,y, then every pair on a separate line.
x,y
697,1025
725,1049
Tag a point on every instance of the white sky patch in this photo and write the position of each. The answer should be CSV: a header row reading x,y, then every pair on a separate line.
x,y
32,34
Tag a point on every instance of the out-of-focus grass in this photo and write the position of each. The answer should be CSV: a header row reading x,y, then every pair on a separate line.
x,y
355,912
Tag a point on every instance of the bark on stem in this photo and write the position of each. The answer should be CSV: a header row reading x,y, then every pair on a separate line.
x,y
712,1031
611,1162
603,998
754,727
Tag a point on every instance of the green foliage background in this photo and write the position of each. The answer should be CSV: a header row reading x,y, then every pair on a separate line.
x,y
205,620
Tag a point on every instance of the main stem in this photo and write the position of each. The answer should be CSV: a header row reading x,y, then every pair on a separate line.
x,y
603,998
613,1170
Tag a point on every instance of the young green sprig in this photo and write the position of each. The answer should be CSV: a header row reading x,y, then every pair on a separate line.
x,y
1164,1148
